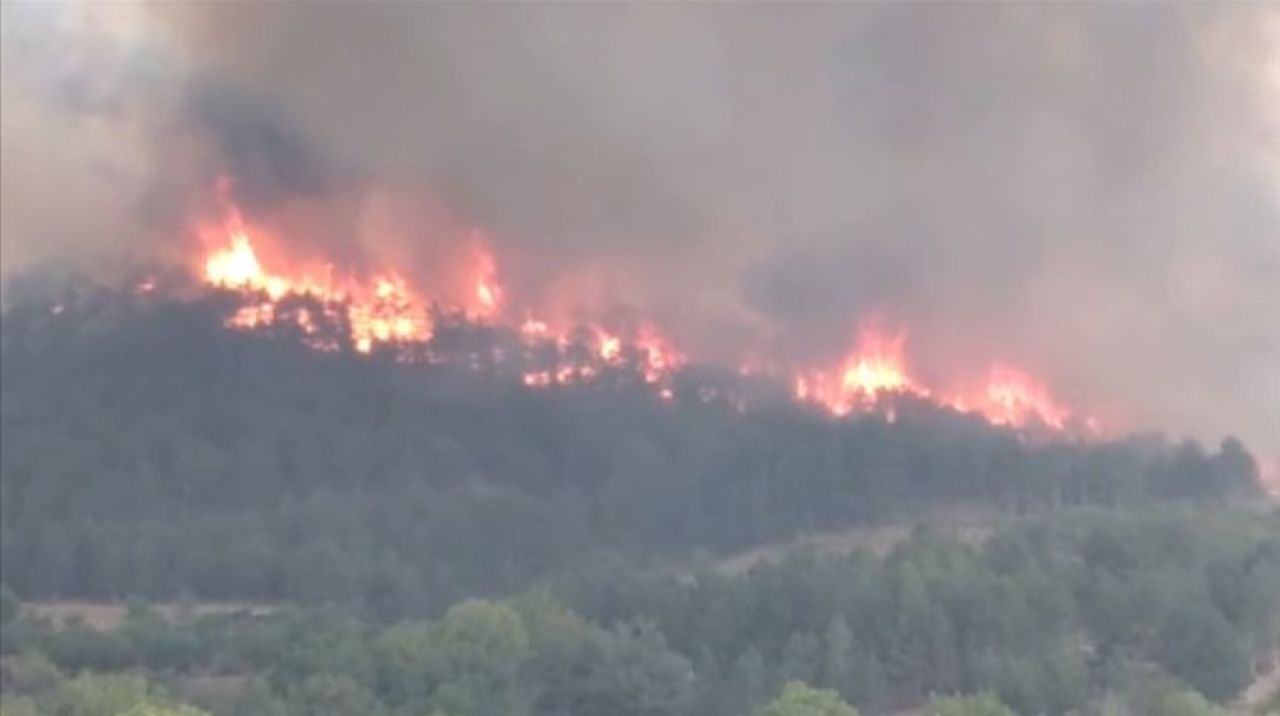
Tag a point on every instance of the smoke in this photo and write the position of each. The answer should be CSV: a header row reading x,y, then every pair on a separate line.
x,y
1092,191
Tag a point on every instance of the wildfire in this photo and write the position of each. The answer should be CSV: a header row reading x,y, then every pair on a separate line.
x,y
488,292
237,266
875,368
610,347
380,310
878,367
1015,398
384,309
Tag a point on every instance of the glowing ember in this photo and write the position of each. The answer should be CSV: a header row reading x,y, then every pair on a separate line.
x,y
533,328
610,347
147,285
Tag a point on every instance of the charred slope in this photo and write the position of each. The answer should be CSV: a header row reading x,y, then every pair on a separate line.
x,y
149,450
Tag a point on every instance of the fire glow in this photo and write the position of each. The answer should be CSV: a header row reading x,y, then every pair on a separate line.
x,y
381,310
878,367
384,311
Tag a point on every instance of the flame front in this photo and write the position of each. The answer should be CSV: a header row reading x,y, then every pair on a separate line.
x,y
1015,398
384,309
488,292
237,266
380,310
876,367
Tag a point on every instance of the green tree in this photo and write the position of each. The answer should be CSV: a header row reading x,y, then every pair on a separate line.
x,y
749,680
29,672
331,695
1199,646
10,605
984,704
158,709
634,673
17,706
1186,703
800,699
476,652
100,695
404,656
801,658
837,657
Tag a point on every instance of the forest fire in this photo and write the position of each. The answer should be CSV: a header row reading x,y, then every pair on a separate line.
x,y
1014,398
876,367
385,311
382,310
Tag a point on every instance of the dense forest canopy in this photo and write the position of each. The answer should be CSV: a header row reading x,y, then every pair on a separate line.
x,y
1086,613
455,542
150,451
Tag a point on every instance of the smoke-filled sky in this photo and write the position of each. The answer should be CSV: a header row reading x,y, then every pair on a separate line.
x,y
1091,190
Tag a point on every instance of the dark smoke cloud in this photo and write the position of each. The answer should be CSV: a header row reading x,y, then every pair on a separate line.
x,y
271,161
1090,190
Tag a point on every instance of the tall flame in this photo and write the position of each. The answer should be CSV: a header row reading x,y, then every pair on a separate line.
x,y
488,292
384,309
1015,398
876,367
380,310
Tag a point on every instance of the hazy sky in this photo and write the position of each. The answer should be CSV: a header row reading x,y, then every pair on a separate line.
x,y
1089,189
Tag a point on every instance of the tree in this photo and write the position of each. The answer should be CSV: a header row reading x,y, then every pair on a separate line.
x,y
403,657
9,604
1199,646
634,673
801,658
476,652
1186,703
100,695
29,672
838,656
749,680
800,699
156,709
332,695
984,704
17,706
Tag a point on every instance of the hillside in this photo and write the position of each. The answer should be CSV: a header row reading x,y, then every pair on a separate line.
x,y
149,451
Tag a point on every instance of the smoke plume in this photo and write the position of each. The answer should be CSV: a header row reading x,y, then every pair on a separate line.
x,y
1092,190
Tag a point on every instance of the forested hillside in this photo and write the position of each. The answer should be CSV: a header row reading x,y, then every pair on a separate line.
x,y
1088,613
148,451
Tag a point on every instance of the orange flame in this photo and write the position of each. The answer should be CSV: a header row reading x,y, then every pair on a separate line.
x,y
1014,398
488,292
383,309
876,367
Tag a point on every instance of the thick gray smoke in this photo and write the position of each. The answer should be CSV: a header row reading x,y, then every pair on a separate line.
x,y
1092,191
